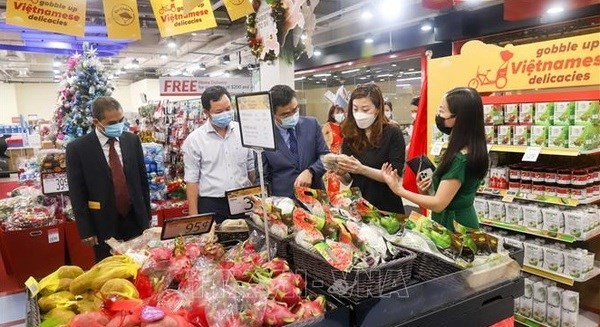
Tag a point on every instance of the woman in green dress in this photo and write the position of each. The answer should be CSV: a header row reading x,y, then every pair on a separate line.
x,y
463,165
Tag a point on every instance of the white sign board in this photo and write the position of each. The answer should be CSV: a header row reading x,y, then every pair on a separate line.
x,y
194,86
54,183
256,120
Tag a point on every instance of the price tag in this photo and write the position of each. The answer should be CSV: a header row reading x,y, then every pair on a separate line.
x,y
34,140
154,221
53,236
33,286
239,200
509,196
532,153
186,226
54,183
436,148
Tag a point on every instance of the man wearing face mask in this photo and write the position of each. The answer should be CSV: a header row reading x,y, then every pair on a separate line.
x,y
300,145
108,185
214,158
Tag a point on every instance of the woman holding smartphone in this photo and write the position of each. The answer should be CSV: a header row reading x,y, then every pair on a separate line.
x,y
463,165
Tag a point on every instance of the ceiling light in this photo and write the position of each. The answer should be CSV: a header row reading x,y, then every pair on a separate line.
x,y
318,82
171,42
385,75
135,64
350,71
226,59
555,10
175,73
382,80
426,27
299,78
363,78
217,73
390,8
408,79
322,75
369,39
394,65
392,56
56,62
411,69
202,67
164,56
366,14
350,63
324,79
317,52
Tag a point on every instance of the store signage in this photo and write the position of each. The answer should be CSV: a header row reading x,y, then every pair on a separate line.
x,y
54,183
239,200
238,8
194,86
257,125
173,19
531,154
60,16
122,19
267,30
187,226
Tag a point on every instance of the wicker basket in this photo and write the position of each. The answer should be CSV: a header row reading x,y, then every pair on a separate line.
x,y
428,266
230,237
357,283
282,244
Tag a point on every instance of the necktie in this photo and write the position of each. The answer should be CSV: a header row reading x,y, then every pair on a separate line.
x,y
293,143
122,199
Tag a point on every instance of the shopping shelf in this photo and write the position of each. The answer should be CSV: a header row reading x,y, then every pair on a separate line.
x,y
531,231
560,278
536,198
550,151
529,321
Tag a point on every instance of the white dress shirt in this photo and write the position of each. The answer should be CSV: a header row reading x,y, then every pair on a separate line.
x,y
217,163
106,147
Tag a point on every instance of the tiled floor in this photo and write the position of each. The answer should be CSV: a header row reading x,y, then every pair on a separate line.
x,y
13,310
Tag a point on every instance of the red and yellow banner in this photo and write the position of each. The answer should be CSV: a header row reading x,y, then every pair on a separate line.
x,y
172,18
122,19
238,8
60,16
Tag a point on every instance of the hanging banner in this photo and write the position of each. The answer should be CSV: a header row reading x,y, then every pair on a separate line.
x,y
194,86
238,8
267,31
172,19
60,16
122,19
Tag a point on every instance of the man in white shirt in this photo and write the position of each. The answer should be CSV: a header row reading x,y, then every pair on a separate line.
x,y
214,158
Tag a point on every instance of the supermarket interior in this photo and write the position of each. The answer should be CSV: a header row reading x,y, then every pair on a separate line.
x,y
221,163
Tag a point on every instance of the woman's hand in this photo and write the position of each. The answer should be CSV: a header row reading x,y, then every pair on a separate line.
x,y
423,185
390,176
350,164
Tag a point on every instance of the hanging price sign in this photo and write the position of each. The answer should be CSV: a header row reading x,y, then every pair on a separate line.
x,y
186,226
531,153
54,183
239,200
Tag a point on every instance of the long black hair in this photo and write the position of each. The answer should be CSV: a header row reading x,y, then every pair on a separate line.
x,y
468,132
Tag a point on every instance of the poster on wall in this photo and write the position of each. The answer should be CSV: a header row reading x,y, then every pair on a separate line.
x,y
195,86
257,126
122,19
173,19
60,16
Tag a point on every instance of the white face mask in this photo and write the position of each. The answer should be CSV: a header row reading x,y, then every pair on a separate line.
x,y
364,120
388,114
339,117
413,115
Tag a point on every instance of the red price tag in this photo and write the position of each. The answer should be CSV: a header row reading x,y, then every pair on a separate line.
x,y
186,226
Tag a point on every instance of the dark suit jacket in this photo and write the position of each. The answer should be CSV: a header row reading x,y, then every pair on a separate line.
x,y
280,168
91,189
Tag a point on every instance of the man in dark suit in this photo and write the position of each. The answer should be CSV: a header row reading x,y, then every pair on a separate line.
x,y
108,185
300,145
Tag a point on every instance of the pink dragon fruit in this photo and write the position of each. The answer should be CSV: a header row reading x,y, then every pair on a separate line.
x,y
286,288
309,309
276,266
277,315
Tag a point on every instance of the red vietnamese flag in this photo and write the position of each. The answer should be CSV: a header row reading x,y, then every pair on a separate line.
x,y
418,139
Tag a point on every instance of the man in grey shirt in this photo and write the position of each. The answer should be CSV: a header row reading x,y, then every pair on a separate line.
x,y
214,158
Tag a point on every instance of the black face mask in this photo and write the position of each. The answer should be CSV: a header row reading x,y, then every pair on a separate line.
x,y
439,122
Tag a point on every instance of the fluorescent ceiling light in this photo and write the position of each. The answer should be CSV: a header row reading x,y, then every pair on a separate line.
x,y
171,42
408,79
322,75
299,78
555,10
350,71
369,40
392,56
385,75
394,65
324,79
317,53
426,27
366,14
202,67
164,56
175,73
217,73
363,78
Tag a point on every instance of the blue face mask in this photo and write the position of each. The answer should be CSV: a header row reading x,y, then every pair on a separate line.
x,y
291,121
114,130
223,119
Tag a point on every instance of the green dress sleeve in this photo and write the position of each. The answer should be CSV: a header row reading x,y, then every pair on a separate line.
x,y
457,169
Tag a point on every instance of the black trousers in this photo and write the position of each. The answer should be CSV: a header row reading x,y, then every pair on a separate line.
x,y
217,205
127,229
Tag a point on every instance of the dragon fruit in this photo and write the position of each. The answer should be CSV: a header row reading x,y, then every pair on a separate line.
x,y
180,266
277,315
287,288
241,271
276,266
193,250
309,309
160,254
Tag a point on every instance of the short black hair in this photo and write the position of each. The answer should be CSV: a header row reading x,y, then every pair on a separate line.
x,y
213,93
415,101
103,104
389,104
281,95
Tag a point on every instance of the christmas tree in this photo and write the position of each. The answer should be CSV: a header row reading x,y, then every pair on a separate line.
x,y
83,81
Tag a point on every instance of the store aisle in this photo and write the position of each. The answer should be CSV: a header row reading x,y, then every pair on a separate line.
x,y
13,310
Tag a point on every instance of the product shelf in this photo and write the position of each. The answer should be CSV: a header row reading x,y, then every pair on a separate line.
x,y
566,152
537,198
531,231
528,321
541,97
560,278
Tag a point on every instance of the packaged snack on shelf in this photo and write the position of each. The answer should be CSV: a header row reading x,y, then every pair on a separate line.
x,y
554,306
504,135
575,265
554,259
532,216
575,222
558,136
526,113
514,213
481,208
511,114
526,305
587,112
584,137
563,113
496,209
493,114
579,181
490,134
521,135
589,258
538,136
499,177
553,220
514,240
543,113
534,253
570,309
540,291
